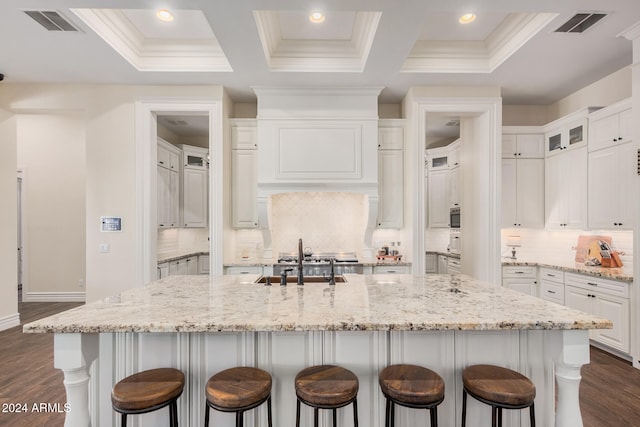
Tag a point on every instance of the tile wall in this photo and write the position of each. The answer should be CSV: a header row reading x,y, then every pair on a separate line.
x,y
174,241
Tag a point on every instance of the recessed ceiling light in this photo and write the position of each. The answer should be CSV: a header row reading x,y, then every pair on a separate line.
x,y
164,15
467,18
316,17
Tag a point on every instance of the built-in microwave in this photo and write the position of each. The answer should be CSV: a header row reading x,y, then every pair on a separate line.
x,y
454,217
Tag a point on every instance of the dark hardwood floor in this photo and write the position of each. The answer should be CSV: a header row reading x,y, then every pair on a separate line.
x,y
609,392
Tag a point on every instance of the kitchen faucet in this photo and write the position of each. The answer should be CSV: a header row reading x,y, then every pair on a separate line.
x,y
283,276
332,274
300,257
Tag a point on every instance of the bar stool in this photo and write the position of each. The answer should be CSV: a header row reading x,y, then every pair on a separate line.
x,y
238,390
148,391
411,386
499,387
326,387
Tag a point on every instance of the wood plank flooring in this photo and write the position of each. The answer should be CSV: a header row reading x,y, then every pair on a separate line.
x,y
609,392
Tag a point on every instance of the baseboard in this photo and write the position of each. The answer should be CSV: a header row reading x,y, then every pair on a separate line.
x,y
9,321
54,297
617,353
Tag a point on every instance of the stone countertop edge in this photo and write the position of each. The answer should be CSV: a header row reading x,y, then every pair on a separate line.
x,y
445,253
175,257
234,303
256,263
605,273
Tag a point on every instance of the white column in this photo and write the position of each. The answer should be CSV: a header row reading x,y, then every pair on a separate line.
x,y
633,34
571,351
73,355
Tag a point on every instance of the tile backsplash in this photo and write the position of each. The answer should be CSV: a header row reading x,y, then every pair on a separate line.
x,y
326,221
178,240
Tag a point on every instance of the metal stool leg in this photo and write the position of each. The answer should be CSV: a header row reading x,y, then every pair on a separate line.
x,y
494,416
386,413
123,420
464,407
532,415
315,417
206,415
335,417
239,418
355,412
298,413
434,416
269,412
172,414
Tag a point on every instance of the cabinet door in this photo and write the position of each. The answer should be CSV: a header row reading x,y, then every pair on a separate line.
x,y
390,187
191,265
627,174
443,264
509,150
530,193
526,286
195,198
603,132
509,185
529,146
431,263
391,138
438,199
578,298
625,123
244,183
575,188
454,187
603,194
174,198
616,310
162,202
555,204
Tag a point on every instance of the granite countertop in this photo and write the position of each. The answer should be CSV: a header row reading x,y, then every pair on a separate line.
x,y
371,302
445,253
179,255
264,263
620,274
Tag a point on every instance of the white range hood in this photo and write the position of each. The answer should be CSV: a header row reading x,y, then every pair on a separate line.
x,y
317,139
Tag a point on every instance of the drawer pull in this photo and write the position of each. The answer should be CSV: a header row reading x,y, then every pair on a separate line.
x,y
551,275
391,271
244,272
592,284
551,292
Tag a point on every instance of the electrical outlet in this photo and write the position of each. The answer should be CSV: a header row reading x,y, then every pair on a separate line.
x,y
81,283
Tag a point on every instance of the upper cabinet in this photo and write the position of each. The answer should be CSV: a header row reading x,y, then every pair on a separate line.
x,y
168,197
566,189
522,180
568,132
610,126
244,169
390,173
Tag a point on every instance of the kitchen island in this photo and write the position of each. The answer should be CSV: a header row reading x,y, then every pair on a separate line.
x,y
203,324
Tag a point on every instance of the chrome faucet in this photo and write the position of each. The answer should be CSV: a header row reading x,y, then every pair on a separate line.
x,y
300,257
283,276
332,274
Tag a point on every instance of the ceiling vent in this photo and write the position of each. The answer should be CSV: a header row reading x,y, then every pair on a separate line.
x,y
580,22
51,20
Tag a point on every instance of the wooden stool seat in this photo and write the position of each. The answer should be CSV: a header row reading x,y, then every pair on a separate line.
x,y
326,385
147,391
411,384
499,387
238,390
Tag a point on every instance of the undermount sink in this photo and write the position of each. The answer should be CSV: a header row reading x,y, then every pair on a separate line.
x,y
275,280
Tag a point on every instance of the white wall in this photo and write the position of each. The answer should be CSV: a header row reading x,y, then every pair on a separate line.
x,y
8,222
51,149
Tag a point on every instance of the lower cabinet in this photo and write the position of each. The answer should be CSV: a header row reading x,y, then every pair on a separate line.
x,y
552,285
431,263
602,298
190,265
521,278
203,264
443,264
243,270
391,269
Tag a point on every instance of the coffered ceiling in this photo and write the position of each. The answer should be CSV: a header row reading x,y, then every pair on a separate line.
x,y
395,44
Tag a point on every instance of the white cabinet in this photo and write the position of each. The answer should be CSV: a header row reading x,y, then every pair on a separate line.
x,y
203,264
523,146
454,186
431,263
163,270
438,199
611,126
391,269
168,183
195,198
443,264
178,267
520,278
244,174
437,159
523,193
566,189
552,285
454,265
611,173
603,298
390,174
566,136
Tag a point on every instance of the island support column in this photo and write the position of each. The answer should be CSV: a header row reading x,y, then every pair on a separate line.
x,y
571,349
73,355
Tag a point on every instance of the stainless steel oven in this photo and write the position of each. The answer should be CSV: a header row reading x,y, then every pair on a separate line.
x,y
454,217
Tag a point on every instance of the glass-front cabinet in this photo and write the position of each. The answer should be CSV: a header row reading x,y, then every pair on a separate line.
x,y
565,137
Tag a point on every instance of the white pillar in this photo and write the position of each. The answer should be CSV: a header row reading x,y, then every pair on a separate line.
x,y
73,355
571,349
633,34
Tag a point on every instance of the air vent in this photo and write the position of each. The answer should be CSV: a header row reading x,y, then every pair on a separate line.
x,y
177,122
580,22
453,122
51,20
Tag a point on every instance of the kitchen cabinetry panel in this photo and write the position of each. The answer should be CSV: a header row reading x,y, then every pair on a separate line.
x,y
431,263
195,197
523,193
566,189
443,264
243,270
611,126
520,278
565,137
168,185
391,269
390,188
203,264
390,138
523,146
611,172
244,187
438,198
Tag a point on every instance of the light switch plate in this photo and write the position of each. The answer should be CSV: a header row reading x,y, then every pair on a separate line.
x,y
104,248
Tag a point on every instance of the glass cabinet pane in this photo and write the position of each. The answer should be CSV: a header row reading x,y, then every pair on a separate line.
x,y
576,135
555,142
437,162
195,161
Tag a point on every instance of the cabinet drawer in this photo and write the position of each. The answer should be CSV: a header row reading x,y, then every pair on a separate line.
x,y
604,286
524,271
552,275
391,269
552,291
243,270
